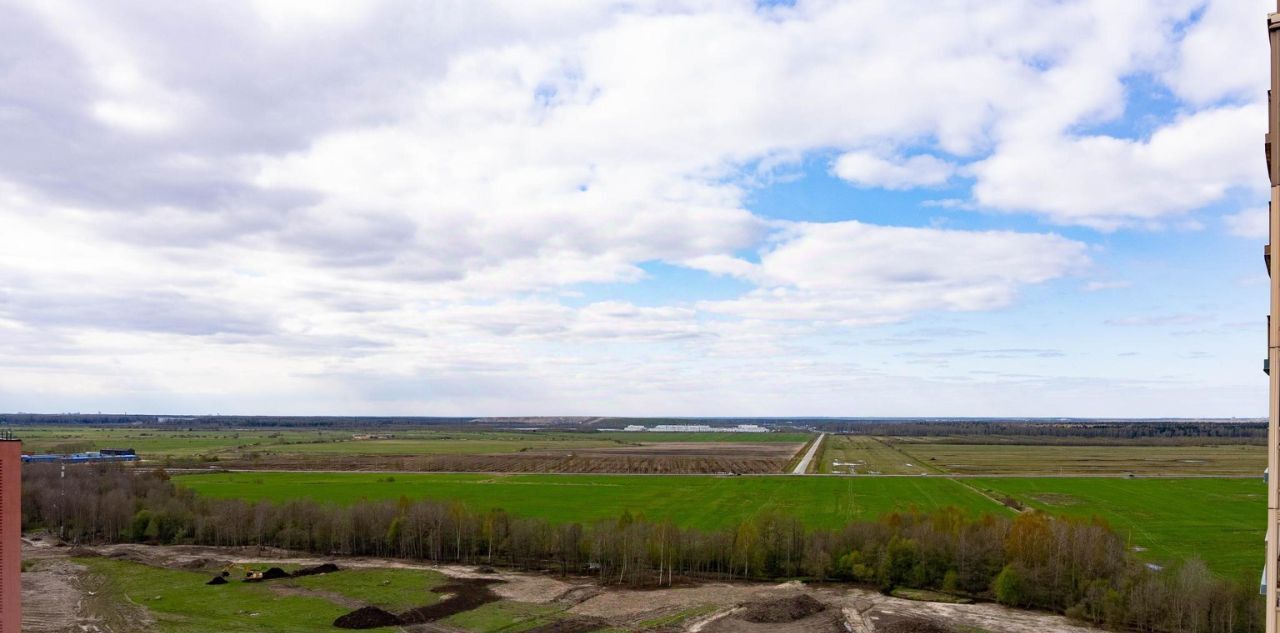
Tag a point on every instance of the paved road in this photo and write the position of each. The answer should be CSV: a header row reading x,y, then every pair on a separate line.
x,y
803,466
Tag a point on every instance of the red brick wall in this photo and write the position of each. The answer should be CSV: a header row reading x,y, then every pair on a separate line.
x,y
10,536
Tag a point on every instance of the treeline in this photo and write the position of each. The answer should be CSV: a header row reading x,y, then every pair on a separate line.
x,y
1080,568
230,421
1171,432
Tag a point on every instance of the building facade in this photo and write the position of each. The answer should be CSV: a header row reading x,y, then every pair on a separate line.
x,y
10,535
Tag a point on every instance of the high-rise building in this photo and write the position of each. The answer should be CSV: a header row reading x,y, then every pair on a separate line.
x,y
10,535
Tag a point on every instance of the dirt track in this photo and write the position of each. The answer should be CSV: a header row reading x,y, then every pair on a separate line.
x,y
60,598
803,466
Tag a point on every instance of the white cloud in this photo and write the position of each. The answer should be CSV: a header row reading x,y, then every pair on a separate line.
x,y
1094,286
1107,182
860,274
1224,53
386,206
869,170
1254,224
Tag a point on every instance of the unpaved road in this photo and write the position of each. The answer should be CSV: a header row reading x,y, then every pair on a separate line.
x,y
73,607
803,466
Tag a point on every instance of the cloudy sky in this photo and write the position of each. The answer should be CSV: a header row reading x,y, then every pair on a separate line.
x,y
634,208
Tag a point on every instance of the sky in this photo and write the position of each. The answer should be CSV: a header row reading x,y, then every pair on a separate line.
x,y
667,208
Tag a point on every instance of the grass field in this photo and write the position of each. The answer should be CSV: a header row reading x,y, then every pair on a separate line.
x,y
864,454
165,443
162,443
1216,519
1219,520
1233,459
704,502
392,589
181,602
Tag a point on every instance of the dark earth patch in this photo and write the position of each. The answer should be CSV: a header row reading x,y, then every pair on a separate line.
x,y
326,568
367,618
782,610
466,594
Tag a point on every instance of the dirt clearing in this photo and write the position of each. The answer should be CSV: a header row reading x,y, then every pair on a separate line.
x,y
790,607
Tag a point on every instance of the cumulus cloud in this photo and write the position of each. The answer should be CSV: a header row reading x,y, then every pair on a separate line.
x,y
1096,285
1107,182
859,274
311,200
1254,224
868,170
1223,54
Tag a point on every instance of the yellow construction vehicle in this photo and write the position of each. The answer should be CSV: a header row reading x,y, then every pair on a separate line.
x,y
249,572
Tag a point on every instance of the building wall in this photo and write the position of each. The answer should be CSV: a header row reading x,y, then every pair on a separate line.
x,y
10,536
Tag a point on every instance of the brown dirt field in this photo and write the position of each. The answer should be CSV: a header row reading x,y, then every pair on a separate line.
x,y
583,462
60,596
787,609
826,622
571,625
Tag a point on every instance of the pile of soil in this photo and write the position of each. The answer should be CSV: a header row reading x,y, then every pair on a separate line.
x,y
82,552
367,618
468,593
914,625
202,563
326,568
571,625
217,580
790,609
274,573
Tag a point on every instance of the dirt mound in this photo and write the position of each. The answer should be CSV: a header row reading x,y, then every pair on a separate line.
x,y
202,563
467,594
571,625
83,552
914,625
782,610
579,594
217,580
326,568
274,573
367,618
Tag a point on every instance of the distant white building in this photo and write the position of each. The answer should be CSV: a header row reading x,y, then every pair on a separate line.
x,y
697,428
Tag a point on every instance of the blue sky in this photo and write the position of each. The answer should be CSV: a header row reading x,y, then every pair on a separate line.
x,y
674,208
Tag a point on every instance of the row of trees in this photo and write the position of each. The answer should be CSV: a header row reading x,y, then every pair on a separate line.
x,y
1076,567
1066,432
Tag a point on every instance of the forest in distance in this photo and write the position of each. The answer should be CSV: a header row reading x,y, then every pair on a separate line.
x,y
1073,566
1243,429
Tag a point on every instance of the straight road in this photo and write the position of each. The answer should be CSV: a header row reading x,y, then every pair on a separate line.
x,y
803,466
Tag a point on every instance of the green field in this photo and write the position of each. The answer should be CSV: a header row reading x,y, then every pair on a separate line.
x,y
694,501
996,459
180,601
165,443
864,454
1219,520
1170,519
161,442
392,589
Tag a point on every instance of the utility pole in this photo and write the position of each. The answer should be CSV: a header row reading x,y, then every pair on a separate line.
x,y
1269,571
